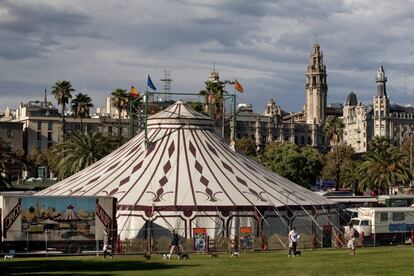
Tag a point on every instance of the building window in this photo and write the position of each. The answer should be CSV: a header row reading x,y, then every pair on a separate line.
x,y
398,216
39,136
49,136
49,144
110,130
50,125
9,133
384,216
9,145
39,125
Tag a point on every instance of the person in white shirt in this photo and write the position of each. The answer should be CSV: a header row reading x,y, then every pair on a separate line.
x,y
351,239
293,239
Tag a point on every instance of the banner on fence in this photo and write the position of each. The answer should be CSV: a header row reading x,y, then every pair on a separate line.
x,y
200,239
246,240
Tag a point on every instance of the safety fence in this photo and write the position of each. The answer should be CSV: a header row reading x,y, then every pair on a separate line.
x,y
202,240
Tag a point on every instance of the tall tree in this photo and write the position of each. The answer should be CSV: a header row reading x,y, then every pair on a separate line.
x,y
80,107
333,129
213,97
385,169
62,91
79,151
351,175
346,155
119,99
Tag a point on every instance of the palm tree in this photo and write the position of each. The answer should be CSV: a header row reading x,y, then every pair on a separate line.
x,y
333,129
80,107
351,175
119,99
213,98
62,92
385,169
79,151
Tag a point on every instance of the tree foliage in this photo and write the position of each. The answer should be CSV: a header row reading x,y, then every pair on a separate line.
x,y
213,98
301,166
351,175
79,151
246,146
346,155
119,99
62,91
80,107
333,129
384,168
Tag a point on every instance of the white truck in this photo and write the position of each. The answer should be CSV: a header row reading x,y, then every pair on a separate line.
x,y
382,225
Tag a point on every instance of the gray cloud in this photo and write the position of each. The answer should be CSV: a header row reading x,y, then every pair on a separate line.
x,y
99,46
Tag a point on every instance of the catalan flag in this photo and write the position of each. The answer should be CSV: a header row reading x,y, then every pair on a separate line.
x,y
134,92
238,86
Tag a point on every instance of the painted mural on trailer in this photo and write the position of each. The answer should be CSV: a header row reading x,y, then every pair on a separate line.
x,y
59,218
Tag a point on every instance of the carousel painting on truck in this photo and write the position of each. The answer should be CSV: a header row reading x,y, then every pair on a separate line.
x,y
63,218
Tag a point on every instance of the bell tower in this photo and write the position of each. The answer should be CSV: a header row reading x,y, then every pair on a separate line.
x,y
381,105
316,88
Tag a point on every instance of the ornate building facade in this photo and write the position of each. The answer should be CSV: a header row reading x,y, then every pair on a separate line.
x,y
381,119
302,128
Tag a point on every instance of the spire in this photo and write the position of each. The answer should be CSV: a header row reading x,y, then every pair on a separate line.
x,y
381,80
214,75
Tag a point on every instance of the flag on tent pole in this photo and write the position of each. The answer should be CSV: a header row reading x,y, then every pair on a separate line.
x,y
134,92
238,86
150,84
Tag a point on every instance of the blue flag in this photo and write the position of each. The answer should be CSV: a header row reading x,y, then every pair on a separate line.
x,y
150,84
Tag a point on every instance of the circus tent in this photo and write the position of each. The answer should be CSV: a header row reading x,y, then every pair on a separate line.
x,y
187,177
68,215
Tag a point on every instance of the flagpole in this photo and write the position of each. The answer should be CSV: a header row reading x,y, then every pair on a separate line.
x,y
131,119
146,118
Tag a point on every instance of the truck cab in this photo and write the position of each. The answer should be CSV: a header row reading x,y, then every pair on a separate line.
x,y
363,226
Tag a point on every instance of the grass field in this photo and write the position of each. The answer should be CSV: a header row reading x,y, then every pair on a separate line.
x,y
397,260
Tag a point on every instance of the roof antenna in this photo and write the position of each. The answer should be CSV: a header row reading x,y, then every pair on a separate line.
x,y
45,103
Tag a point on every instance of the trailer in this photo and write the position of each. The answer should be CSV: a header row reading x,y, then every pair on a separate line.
x,y
67,224
384,225
396,200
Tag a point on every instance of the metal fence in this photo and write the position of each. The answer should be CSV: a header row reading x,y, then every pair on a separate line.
x,y
158,240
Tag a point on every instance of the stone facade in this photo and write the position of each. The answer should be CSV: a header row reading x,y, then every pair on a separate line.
x,y
11,133
42,125
363,123
302,128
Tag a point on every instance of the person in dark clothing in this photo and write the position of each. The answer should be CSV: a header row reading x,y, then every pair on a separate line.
x,y
175,243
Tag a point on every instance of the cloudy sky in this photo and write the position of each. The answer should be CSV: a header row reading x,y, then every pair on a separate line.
x,y
101,45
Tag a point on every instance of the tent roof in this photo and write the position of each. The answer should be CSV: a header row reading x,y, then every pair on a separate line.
x,y
186,166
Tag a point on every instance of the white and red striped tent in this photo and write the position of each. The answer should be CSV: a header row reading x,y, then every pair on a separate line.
x,y
68,215
185,177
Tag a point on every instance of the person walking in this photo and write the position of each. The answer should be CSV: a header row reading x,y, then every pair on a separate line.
x,y
175,243
351,235
106,244
293,239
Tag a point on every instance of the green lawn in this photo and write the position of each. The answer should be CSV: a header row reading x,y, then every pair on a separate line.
x,y
397,260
